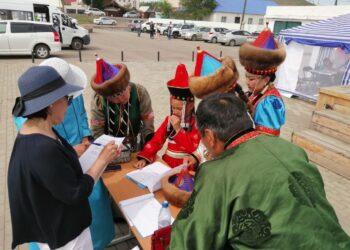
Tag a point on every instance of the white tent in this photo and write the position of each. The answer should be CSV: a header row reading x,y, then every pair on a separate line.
x,y
318,55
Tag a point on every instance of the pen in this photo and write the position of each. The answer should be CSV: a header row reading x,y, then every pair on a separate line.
x,y
97,144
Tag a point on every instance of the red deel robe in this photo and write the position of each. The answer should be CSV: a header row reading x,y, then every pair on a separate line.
x,y
182,142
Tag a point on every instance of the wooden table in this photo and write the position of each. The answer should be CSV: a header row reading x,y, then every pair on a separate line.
x,y
121,189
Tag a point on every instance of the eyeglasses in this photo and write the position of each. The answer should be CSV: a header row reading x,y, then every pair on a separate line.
x,y
69,99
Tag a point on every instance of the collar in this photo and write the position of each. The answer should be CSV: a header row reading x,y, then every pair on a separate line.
x,y
241,138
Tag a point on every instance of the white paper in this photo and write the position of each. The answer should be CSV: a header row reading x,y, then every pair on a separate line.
x,y
91,154
151,175
142,212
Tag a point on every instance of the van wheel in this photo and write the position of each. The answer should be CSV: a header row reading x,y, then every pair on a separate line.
x,y
42,51
144,30
194,38
77,44
214,40
114,23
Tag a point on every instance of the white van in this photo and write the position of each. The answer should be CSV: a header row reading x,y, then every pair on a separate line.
x,y
27,37
70,33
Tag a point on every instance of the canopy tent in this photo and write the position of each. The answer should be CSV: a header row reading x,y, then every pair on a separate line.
x,y
318,55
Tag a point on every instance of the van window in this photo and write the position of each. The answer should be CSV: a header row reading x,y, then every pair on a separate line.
x,y
3,28
43,28
21,27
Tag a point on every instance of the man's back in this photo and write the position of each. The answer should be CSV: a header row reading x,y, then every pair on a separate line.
x,y
260,194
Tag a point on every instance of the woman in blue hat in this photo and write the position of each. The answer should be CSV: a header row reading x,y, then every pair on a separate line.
x,y
48,192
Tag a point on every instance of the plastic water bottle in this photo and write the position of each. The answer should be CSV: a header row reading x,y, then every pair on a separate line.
x,y
164,218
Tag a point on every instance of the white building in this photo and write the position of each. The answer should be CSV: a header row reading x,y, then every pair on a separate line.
x,y
128,3
283,17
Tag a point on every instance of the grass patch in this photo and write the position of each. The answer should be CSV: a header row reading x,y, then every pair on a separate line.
x,y
83,18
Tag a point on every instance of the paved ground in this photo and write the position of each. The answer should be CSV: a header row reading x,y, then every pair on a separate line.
x,y
140,55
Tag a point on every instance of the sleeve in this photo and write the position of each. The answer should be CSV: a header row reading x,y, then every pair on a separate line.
x,y
270,112
97,121
188,141
55,172
151,148
197,229
146,110
83,118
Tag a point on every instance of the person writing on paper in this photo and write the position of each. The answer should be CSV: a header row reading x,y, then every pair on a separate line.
x,y
119,107
48,192
179,128
258,192
75,130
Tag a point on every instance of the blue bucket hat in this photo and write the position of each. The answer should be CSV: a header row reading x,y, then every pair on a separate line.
x,y
40,86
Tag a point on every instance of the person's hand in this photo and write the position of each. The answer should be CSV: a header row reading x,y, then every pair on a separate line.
x,y
140,163
109,152
175,122
189,160
86,141
80,149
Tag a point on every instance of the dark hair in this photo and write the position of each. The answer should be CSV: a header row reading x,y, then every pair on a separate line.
x,y
39,114
272,77
225,114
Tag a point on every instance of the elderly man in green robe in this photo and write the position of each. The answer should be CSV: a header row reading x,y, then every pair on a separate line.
x,y
259,191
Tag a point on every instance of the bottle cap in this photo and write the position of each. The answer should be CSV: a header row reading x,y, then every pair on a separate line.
x,y
165,204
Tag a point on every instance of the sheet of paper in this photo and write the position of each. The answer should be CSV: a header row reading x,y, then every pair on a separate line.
x,y
143,212
91,154
150,175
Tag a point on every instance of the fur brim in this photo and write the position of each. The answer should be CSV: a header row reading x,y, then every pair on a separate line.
x,y
220,81
114,85
174,195
252,57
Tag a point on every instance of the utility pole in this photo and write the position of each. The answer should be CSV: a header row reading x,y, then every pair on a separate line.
x,y
244,7
336,2
92,2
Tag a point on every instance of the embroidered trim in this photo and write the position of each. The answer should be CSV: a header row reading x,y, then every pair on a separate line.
x,y
301,187
251,227
266,130
243,138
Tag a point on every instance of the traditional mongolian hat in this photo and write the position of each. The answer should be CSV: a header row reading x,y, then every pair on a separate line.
x,y
263,56
109,79
212,74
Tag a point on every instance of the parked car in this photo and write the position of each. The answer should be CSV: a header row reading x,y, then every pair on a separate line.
x,y
195,34
95,12
211,34
233,37
163,28
27,37
253,36
132,24
180,28
131,14
145,26
105,20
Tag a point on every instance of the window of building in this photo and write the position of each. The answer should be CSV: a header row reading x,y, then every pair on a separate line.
x,y
237,19
250,20
261,21
223,19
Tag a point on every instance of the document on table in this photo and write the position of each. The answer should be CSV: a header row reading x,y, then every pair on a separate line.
x,y
94,150
142,212
151,175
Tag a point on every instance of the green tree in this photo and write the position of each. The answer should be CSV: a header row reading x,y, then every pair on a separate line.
x,y
95,3
198,9
164,7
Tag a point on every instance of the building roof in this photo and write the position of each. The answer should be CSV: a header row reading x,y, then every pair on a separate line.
x,y
255,7
293,2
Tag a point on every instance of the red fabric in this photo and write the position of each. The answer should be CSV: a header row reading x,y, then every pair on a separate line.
x,y
268,131
161,238
243,138
182,142
264,37
99,77
181,78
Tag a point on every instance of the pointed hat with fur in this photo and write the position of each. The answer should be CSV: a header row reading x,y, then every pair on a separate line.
x,y
212,74
263,56
109,79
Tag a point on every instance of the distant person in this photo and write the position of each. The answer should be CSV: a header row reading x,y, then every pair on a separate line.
x,y
151,30
158,25
170,29
138,28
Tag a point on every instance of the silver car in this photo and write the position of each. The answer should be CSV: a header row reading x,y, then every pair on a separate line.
x,y
233,37
211,34
195,34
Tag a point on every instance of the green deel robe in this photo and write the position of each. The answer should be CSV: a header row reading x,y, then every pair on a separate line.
x,y
261,194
